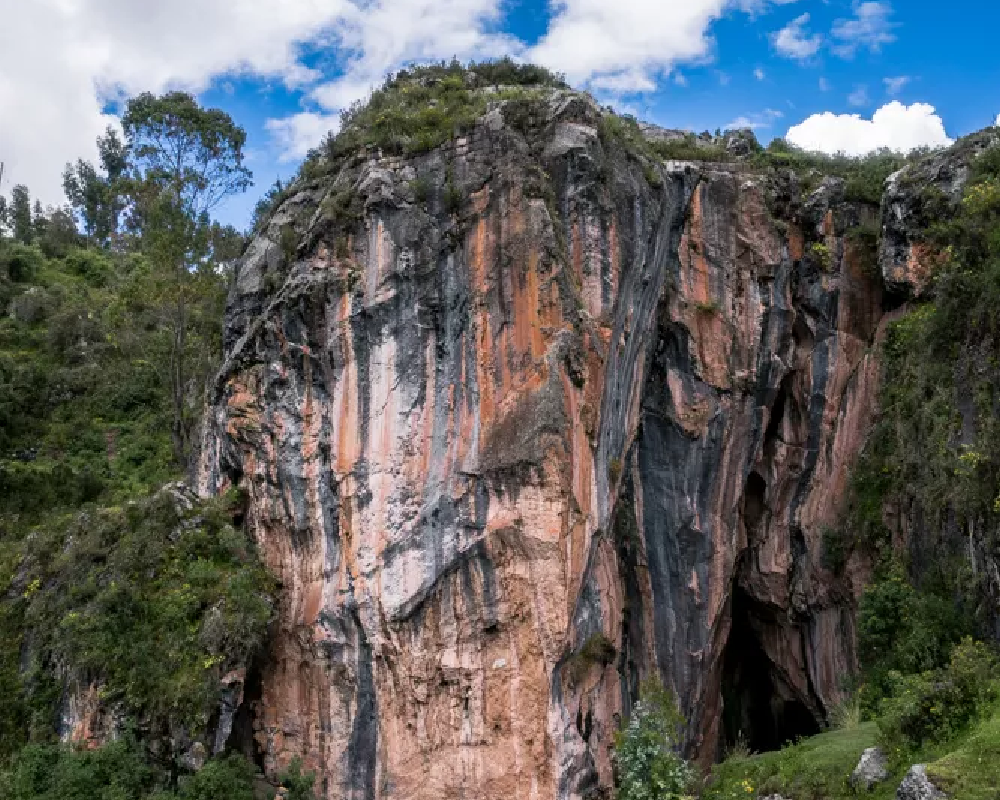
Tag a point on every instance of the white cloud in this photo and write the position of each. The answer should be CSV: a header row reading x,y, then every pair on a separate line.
x,y
859,96
795,41
898,127
60,60
824,85
997,122
897,84
764,119
297,134
628,44
385,35
870,28
759,74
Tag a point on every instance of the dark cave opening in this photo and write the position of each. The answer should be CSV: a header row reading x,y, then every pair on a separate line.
x,y
757,712
241,738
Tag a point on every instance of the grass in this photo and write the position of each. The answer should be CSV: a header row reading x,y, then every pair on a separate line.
x,y
972,771
819,768
816,768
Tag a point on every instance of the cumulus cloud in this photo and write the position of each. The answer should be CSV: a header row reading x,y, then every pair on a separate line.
x,y
795,41
384,35
298,134
55,86
896,126
629,44
759,74
870,28
61,62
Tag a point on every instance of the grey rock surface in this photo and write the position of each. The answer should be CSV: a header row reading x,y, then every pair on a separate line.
x,y
872,769
917,786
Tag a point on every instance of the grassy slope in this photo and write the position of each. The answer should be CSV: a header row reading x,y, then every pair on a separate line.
x,y
818,768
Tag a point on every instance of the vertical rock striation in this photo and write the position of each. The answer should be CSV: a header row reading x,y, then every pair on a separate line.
x,y
510,455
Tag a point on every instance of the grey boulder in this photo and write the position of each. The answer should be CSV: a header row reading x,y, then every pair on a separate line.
x,y
917,786
871,770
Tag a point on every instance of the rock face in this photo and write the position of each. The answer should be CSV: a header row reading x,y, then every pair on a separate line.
x,y
917,786
917,198
524,421
871,770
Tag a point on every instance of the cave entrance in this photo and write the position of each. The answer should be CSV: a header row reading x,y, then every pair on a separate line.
x,y
758,710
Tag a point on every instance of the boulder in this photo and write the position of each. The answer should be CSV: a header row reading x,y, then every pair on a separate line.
x,y
871,770
917,786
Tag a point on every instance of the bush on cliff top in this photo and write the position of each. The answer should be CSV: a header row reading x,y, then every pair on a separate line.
x,y
418,109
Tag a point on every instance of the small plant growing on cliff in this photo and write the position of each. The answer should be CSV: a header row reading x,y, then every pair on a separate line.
x,y
453,197
421,188
598,650
821,255
646,756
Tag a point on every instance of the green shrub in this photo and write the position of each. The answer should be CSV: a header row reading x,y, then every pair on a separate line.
x,y
821,254
903,631
91,265
299,784
20,263
646,756
154,601
421,188
453,197
936,706
228,778
864,176
414,111
117,771
691,149
120,770
597,650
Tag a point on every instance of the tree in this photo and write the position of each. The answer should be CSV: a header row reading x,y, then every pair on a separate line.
x,y
183,161
20,213
39,221
97,198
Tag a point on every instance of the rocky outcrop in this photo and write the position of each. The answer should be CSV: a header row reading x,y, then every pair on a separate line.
x,y
872,769
526,420
917,198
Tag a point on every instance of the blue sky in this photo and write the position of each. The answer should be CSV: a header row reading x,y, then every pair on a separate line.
x,y
912,73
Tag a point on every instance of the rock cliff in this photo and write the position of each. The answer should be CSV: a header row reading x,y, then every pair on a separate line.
x,y
529,418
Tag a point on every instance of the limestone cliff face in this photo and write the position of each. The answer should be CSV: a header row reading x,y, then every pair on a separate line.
x,y
569,420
